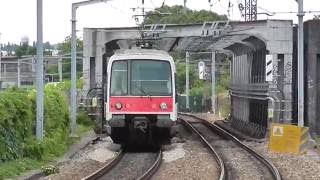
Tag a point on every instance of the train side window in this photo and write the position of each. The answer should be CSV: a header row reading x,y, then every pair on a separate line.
x,y
119,78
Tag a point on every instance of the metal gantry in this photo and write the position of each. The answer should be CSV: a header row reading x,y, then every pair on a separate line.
x,y
250,10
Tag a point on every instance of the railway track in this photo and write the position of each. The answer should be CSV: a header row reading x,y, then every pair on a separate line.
x,y
129,165
236,160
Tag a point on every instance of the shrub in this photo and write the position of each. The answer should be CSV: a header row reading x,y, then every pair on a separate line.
x,y
66,85
83,118
17,124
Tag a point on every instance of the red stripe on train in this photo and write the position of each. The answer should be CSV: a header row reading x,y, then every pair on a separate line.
x,y
141,104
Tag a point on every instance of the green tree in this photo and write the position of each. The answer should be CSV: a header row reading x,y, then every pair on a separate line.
x,y
181,77
25,50
65,48
181,15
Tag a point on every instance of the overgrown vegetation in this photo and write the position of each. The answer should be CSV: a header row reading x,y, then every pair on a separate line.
x,y
65,85
181,15
17,122
65,48
200,87
19,149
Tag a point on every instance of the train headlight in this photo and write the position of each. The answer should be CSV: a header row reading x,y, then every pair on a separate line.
x,y
118,106
163,106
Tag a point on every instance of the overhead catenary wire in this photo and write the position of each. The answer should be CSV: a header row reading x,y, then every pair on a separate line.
x,y
287,12
295,12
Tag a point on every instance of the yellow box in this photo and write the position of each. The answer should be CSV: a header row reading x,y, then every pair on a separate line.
x,y
288,138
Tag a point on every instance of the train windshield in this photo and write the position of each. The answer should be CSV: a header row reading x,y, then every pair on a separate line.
x,y
150,78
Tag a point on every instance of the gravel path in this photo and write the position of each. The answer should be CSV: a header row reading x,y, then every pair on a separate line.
x,y
297,167
186,159
86,161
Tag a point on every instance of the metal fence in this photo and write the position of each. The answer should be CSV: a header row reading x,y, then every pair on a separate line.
x,y
21,72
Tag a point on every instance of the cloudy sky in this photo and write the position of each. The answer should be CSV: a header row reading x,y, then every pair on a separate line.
x,y
18,17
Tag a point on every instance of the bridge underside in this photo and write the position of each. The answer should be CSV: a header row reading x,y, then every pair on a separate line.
x,y
246,42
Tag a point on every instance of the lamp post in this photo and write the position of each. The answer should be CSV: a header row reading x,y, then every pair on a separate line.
x,y
75,6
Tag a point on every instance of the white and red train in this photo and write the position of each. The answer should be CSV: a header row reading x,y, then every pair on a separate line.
x,y
141,102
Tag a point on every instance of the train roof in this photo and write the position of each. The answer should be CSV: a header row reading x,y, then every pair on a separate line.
x,y
139,51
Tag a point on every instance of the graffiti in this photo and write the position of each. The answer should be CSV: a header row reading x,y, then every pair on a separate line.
x,y
275,73
288,72
310,82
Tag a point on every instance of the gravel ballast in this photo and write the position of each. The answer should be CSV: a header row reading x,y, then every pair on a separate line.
x,y
197,163
239,163
291,167
297,167
187,158
86,161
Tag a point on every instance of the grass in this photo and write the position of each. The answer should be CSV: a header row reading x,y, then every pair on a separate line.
x,y
15,168
84,128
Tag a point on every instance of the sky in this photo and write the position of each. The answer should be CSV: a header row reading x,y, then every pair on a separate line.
x,y
18,17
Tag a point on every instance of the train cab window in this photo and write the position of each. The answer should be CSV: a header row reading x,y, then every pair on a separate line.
x,y
150,78
119,78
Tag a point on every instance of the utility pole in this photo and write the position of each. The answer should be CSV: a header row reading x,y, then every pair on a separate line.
x,y
60,69
213,80
40,93
187,80
300,65
19,73
75,6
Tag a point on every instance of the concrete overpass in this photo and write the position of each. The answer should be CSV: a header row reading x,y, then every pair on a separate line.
x,y
247,43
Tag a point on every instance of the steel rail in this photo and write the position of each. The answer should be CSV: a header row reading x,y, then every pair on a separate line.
x,y
271,167
223,173
106,168
153,169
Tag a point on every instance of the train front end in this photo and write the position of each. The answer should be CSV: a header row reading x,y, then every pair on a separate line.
x,y
141,105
